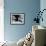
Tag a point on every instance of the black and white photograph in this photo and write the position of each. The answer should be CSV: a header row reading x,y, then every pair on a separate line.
x,y
17,18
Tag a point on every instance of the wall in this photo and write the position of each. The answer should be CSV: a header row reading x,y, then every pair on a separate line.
x,y
43,6
29,7
1,21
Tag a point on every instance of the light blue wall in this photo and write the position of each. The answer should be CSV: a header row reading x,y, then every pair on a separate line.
x,y
43,6
29,7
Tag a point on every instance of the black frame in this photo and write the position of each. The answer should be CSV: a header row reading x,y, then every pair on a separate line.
x,y
18,14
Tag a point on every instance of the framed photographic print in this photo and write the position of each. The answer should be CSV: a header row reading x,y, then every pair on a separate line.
x,y
17,18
